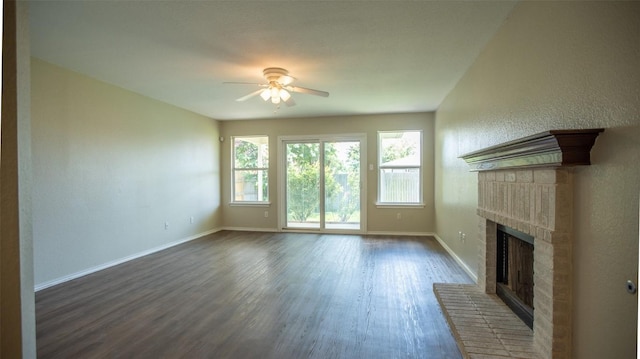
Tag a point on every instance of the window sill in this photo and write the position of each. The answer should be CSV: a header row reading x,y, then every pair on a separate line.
x,y
399,205
250,204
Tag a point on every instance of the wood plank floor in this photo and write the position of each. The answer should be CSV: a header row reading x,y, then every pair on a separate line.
x,y
258,295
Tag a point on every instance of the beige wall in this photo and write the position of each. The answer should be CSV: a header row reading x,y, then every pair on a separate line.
x,y
110,167
413,220
556,65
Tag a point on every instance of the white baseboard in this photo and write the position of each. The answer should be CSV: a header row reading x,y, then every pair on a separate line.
x,y
87,271
249,229
302,230
453,254
386,233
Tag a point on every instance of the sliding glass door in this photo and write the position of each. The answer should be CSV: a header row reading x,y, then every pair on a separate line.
x,y
342,185
322,184
302,184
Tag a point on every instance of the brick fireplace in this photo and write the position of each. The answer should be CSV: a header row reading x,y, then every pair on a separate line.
x,y
527,185
538,202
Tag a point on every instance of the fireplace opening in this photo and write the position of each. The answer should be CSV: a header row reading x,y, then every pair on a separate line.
x,y
514,272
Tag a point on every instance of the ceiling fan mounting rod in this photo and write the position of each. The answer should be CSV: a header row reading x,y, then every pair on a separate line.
x,y
275,84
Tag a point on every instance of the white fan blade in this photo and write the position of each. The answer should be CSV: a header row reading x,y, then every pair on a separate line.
x,y
286,79
254,93
307,91
245,83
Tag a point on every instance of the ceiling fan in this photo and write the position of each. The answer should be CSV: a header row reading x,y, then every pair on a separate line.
x,y
279,88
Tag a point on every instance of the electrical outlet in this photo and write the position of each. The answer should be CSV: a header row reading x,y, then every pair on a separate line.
x,y
398,215
191,219
266,214
166,225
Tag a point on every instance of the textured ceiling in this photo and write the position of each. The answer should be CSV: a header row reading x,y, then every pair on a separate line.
x,y
372,56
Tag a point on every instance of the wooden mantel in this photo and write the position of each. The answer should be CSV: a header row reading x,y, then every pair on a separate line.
x,y
553,148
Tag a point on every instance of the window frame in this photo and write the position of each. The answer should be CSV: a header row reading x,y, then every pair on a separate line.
x,y
419,167
234,169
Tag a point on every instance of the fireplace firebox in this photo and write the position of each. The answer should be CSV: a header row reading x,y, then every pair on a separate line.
x,y
514,272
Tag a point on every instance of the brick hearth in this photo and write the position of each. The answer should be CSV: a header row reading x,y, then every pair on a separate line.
x,y
483,325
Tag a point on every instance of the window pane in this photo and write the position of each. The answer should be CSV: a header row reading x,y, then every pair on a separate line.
x,y
400,149
251,152
251,185
399,160
400,185
250,168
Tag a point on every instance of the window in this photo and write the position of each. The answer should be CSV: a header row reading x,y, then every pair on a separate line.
x,y
250,169
400,166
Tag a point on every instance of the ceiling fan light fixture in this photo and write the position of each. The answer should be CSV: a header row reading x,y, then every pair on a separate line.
x,y
275,95
285,95
266,94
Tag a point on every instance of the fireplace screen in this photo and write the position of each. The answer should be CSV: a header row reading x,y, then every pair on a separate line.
x,y
515,272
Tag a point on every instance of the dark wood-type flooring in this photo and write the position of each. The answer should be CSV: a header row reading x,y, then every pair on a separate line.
x,y
258,295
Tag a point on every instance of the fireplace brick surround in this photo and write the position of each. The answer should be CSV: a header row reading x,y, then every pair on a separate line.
x,y
527,185
537,202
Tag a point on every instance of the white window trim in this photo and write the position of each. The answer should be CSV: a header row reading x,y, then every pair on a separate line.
x,y
250,204
420,203
233,201
400,205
